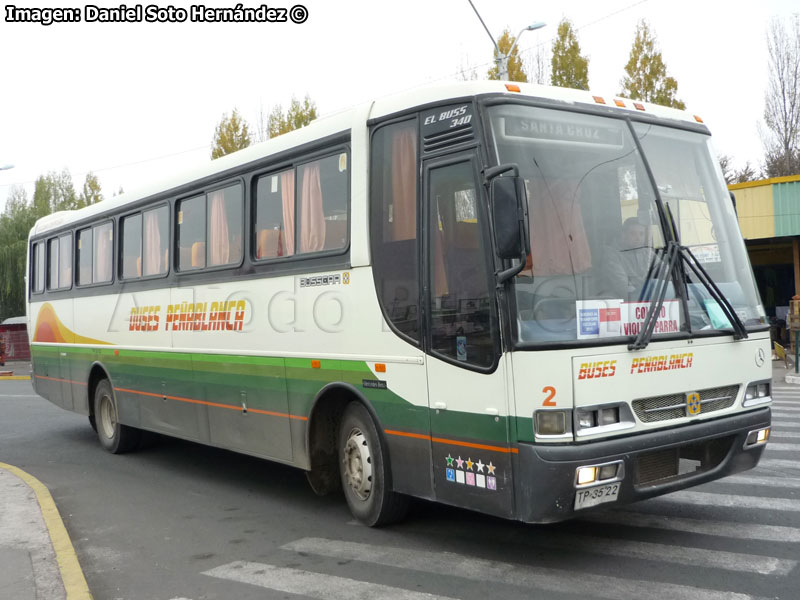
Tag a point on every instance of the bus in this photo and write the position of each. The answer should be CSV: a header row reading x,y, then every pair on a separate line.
x,y
527,301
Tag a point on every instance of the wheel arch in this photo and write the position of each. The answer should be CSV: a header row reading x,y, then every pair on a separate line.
x,y
323,428
97,372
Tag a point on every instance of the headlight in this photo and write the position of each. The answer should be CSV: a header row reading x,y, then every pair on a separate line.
x,y
550,422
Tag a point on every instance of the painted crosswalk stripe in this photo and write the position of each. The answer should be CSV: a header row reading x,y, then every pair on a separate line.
x,y
313,585
790,483
789,409
784,435
727,501
778,424
778,447
727,529
697,557
783,414
779,464
459,565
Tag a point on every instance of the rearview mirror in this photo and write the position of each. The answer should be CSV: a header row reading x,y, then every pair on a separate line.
x,y
509,216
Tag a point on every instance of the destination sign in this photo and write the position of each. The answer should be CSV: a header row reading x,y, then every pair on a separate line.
x,y
562,130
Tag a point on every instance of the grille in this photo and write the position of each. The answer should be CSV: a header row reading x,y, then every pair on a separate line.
x,y
451,137
674,463
673,406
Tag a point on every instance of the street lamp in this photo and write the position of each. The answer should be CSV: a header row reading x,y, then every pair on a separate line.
x,y
500,58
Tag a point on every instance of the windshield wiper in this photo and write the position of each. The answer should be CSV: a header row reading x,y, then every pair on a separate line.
x,y
673,255
739,330
664,268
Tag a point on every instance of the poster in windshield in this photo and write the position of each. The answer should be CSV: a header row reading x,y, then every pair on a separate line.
x,y
612,318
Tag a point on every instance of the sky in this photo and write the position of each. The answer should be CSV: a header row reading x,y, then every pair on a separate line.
x,y
134,102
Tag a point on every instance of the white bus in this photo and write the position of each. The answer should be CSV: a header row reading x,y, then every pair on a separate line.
x,y
520,300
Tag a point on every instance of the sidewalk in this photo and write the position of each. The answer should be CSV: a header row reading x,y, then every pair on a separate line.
x,y
37,560
780,372
21,369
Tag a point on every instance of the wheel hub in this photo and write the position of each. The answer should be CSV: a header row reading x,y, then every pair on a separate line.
x,y
108,417
358,464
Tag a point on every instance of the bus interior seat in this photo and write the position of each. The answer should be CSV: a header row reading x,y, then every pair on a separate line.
x,y
269,243
335,234
198,254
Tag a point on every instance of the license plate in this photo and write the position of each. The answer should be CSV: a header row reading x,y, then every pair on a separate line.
x,y
596,495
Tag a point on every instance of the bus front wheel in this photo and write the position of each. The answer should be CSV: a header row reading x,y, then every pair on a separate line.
x,y
365,472
113,436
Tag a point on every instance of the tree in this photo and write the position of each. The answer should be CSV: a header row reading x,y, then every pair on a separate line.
x,y
91,193
54,192
569,68
231,134
646,77
782,100
725,165
541,66
516,72
746,173
298,115
15,224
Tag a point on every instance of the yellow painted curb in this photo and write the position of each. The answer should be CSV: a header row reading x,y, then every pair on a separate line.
x,y
71,572
15,378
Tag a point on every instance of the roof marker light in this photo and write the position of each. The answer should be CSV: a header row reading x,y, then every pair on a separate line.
x,y
511,87
638,106
599,100
698,119
619,103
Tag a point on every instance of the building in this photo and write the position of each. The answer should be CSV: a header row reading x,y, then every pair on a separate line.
x,y
769,217
14,340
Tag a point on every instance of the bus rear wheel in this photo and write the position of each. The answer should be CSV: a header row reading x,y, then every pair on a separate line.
x,y
113,436
364,470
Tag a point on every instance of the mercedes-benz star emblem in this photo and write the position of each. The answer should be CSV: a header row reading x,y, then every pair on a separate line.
x,y
761,356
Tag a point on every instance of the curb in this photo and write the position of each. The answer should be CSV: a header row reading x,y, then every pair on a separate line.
x,y
792,378
71,572
15,378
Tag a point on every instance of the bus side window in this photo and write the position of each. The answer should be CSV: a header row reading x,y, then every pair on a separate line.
x,y
38,268
85,243
393,198
322,204
52,264
191,233
65,261
103,252
225,226
131,234
155,251
274,215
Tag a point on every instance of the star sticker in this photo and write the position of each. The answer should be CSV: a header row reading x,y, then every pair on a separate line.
x,y
491,468
480,466
459,462
469,464
449,460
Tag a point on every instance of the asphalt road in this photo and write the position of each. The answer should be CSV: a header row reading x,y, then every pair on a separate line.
x,y
178,520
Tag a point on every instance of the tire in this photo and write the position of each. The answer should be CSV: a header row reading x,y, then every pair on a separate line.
x,y
93,423
363,465
113,436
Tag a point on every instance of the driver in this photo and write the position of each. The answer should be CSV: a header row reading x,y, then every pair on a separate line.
x,y
627,263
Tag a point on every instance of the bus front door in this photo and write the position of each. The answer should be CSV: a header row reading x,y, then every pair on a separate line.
x,y
467,377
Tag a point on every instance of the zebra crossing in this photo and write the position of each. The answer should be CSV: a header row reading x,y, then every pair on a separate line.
x,y
733,539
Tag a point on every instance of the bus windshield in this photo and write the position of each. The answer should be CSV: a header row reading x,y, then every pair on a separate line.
x,y
597,235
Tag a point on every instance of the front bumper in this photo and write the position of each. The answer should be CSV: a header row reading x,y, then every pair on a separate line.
x,y
545,475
